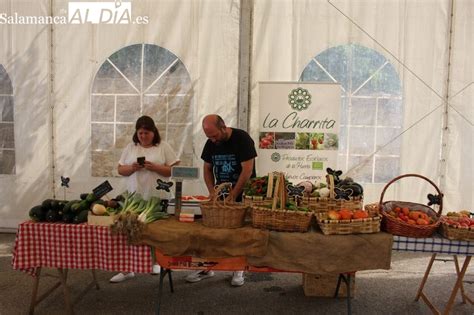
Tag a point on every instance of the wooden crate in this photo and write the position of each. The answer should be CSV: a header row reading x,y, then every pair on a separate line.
x,y
325,285
102,220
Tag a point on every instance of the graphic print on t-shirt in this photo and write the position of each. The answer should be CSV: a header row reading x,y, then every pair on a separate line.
x,y
225,168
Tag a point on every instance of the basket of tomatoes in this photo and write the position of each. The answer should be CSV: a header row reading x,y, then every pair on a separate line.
x,y
348,221
458,226
408,218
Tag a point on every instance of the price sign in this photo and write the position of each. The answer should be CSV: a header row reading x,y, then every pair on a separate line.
x,y
102,189
184,172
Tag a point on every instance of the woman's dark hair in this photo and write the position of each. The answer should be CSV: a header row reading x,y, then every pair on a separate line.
x,y
147,123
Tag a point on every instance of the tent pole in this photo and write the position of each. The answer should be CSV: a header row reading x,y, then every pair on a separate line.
x,y
445,123
52,100
245,49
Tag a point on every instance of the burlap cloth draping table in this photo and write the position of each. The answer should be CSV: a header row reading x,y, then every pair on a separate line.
x,y
310,252
176,238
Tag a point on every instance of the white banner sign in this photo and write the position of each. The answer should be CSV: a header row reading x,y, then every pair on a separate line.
x,y
298,129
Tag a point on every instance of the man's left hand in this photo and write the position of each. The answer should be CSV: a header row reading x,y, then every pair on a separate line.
x,y
231,197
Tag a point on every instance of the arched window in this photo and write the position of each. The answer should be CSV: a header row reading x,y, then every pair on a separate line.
x,y
372,109
139,80
7,135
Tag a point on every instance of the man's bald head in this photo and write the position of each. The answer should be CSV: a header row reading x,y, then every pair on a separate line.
x,y
214,120
215,129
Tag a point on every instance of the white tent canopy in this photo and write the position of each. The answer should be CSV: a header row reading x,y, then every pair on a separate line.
x,y
69,93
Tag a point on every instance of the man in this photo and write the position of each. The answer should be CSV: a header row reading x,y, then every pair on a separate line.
x,y
229,156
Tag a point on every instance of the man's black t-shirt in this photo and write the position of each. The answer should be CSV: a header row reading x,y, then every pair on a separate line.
x,y
227,156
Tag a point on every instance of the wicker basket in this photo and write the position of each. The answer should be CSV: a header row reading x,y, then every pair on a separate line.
x,y
280,219
353,226
257,200
319,204
263,200
453,232
396,226
372,209
222,214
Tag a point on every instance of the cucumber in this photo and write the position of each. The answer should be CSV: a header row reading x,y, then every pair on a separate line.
x,y
84,205
46,204
52,216
76,207
91,198
68,217
81,217
37,214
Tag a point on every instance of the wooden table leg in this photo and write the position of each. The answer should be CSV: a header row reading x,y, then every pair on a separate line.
x,y
34,294
35,300
425,277
463,293
457,285
67,299
456,264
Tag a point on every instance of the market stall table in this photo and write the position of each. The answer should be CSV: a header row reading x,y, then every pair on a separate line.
x,y
194,246
310,252
68,246
438,245
71,246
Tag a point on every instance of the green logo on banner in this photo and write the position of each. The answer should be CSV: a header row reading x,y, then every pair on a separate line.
x,y
299,99
317,166
275,157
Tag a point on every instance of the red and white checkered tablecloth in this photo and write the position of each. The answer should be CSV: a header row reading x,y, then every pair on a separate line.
x,y
76,246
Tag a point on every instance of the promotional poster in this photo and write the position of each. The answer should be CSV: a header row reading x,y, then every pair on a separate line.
x,y
298,129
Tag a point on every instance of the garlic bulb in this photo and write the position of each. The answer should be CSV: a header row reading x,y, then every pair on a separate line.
x,y
324,192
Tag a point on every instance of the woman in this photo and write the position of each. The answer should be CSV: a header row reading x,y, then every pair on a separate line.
x,y
144,161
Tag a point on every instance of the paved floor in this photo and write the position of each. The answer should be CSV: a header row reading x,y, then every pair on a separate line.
x,y
377,292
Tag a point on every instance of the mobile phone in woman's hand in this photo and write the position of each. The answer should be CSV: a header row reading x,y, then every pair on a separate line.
x,y
141,160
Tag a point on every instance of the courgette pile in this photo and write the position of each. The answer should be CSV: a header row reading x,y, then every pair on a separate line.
x,y
73,211
76,211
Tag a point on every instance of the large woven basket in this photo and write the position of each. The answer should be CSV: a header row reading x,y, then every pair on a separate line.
x,y
222,214
280,219
325,204
267,198
257,200
372,209
456,233
353,226
396,226
317,204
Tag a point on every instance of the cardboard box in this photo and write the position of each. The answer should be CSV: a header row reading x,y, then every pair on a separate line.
x,y
325,285
102,220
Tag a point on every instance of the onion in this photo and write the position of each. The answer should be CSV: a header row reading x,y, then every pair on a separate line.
x,y
99,209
